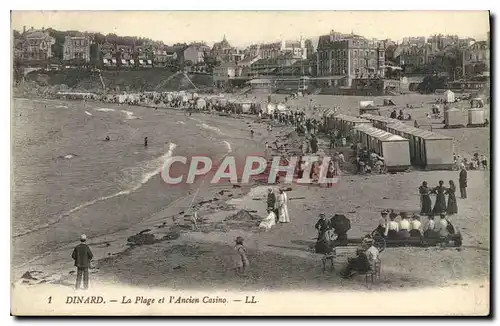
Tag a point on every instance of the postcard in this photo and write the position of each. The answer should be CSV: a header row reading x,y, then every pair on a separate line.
x,y
250,163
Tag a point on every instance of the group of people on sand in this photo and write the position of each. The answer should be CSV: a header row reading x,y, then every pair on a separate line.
x,y
277,209
440,205
331,231
365,260
368,161
318,171
395,226
400,116
295,118
475,163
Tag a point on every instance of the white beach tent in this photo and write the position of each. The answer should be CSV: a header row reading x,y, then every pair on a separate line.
x,y
282,107
449,96
270,108
201,104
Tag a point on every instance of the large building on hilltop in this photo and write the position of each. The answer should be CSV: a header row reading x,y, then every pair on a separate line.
x,y
225,53
76,48
35,45
349,56
107,53
476,59
195,53
296,49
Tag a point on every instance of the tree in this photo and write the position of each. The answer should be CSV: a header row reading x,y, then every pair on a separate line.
x,y
431,83
188,63
99,38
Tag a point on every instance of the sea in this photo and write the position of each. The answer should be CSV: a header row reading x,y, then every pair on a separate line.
x,y
68,180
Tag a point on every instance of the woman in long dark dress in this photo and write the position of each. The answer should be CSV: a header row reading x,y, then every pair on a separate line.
x,y
440,204
425,199
324,244
452,207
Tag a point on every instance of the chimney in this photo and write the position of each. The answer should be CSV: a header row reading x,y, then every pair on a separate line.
x,y
24,29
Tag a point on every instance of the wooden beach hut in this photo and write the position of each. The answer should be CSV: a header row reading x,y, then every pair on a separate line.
x,y
344,123
393,148
379,121
428,149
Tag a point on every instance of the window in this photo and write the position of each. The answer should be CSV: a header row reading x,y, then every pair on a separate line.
x,y
355,53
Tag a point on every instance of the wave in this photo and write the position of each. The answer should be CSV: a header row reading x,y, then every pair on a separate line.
x,y
88,113
229,149
130,115
149,170
105,110
180,123
62,106
211,128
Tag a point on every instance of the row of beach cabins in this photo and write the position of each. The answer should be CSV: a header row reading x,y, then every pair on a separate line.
x,y
399,144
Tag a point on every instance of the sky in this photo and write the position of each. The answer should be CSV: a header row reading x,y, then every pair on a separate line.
x,y
247,27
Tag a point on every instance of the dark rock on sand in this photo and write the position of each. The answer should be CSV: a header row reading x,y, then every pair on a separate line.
x,y
236,186
142,239
28,276
242,215
172,235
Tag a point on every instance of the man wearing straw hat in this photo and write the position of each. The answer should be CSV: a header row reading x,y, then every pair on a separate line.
x,y
82,255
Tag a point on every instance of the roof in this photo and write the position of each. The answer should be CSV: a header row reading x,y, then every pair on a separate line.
x,y
351,118
379,134
480,45
292,44
329,77
270,61
275,45
36,34
248,59
224,44
325,41
379,118
173,49
260,81
417,132
328,112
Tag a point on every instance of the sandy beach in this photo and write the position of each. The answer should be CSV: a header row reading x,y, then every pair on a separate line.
x,y
178,256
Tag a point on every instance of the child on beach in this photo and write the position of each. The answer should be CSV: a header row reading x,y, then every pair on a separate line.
x,y
241,260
